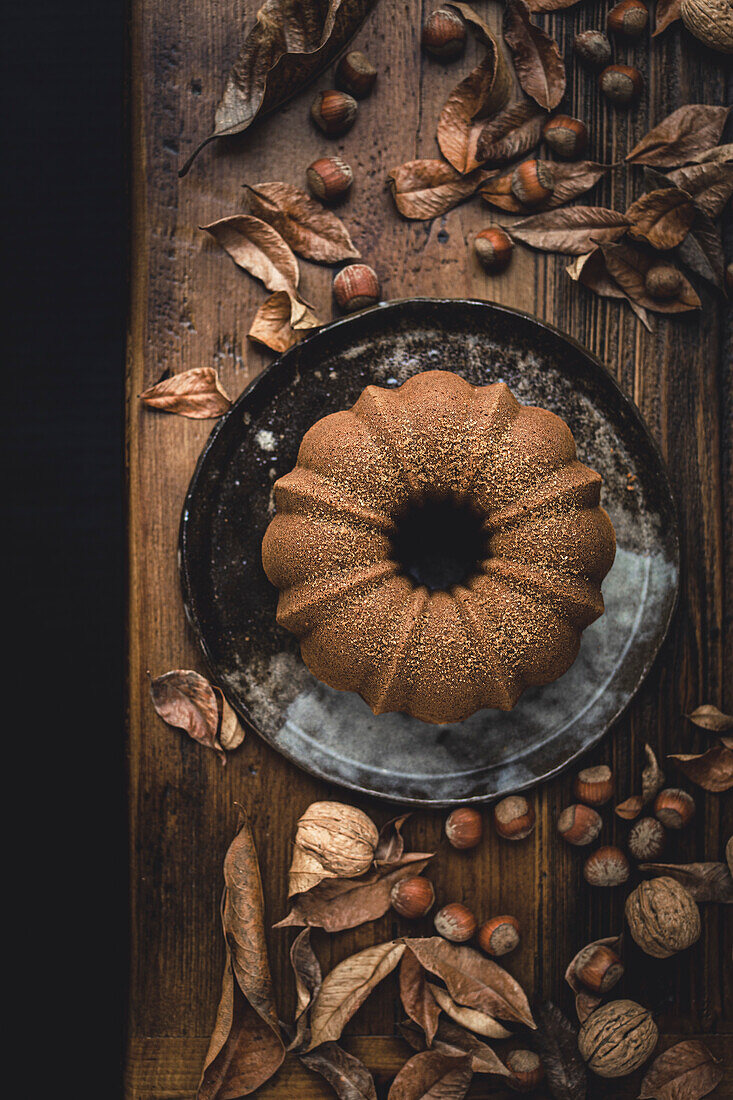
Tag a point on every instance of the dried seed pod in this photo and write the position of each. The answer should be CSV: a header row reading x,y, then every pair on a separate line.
x,y
662,917
355,74
499,936
334,112
494,249
413,897
514,817
674,808
464,827
629,18
621,84
593,49
646,839
455,922
566,136
332,840
444,34
663,281
711,21
329,178
598,967
594,786
607,866
579,824
533,182
526,1070
356,287
617,1038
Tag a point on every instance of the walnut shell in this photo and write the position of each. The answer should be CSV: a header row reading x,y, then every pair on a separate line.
x,y
333,840
617,1038
711,21
663,917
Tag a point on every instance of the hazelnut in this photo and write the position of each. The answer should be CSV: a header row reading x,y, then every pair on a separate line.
x,y
444,34
464,827
617,1038
674,808
593,49
646,839
355,74
334,112
663,281
533,182
594,785
499,936
329,178
526,1070
621,84
356,287
629,18
494,249
579,824
455,922
662,917
514,817
566,136
607,866
598,968
412,897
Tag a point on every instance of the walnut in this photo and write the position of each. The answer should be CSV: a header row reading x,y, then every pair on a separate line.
x,y
332,841
617,1038
663,917
711,21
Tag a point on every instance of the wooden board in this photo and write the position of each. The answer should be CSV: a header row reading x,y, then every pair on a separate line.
x,y
191,307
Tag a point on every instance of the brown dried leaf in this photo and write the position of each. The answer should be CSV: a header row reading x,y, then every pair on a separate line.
x,y
627,264
259,249
702,250
663,218
246,1048
417,999
281,321
308,981
710,718
550,5
332,840
347,1076
591,271
681,136
585,1003
312,231
613,942
197,394
704,881
470,1018
666,13
186,700
472,979
511,134
630,808
556,1042
452,1039
346,988
573,231
712,770
231,732
652,777
539,66
686,1071
425,189
391,843
570,181
433,1075
710,184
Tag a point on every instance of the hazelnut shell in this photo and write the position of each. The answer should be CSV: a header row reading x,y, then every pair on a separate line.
x,y
663,917
594,786
356,287
533,182
494,248
413,897
334,112
646,839
566,136
592,49
629,18
598,968
464,827
514,817
455,922
675,808
621,84
355,74
526,1070
579,824
444,34
607,866
499,936
329,178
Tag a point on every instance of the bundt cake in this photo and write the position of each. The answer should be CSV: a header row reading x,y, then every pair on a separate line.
x,y
347,546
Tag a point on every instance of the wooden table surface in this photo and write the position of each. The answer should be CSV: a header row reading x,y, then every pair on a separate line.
x,y
192,307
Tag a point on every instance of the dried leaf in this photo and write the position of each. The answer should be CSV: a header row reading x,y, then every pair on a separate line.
x,y
539,66
662,218
570,181
246,1048
652,777
312,231
433,1075
704,881
591,271
630,808
577,987
511,134
550,5
391,843
470,1018
710,184
231,733
281,321
417,998
288,46
473,980
452,1039
628,264
686,1071
197,394
585,1003
710,718
332,840
425,189
666,13
308,981
346,988
681,136
702,250
712,770
556,1042
573,231
347,1076
186,700
259,249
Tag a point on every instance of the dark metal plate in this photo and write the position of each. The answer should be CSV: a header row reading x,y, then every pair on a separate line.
x,y
231,604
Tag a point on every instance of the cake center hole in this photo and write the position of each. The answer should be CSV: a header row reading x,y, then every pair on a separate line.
x,y
439,543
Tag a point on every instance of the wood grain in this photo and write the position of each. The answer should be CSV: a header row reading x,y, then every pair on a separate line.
x,y
191,307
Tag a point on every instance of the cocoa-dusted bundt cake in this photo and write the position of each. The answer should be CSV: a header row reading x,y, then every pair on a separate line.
x,y
497,488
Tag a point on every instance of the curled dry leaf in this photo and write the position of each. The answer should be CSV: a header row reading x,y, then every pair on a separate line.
x,y
186,700
702,250
652,777
630,807
197,394
462,119
425,189
570,180
312,231
662,217
346,1074
539,66
511,134
281,321
332,840
391,843
433,1075
585,1003
308,981
288,46
591,271
452,1039
712,770
416,996
666,13
231,733
686,1071
614,942
627,263
259,249
704,881
573,231
710,718
470,1018
681,136
346,988
556,1042
710,184
246,1047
